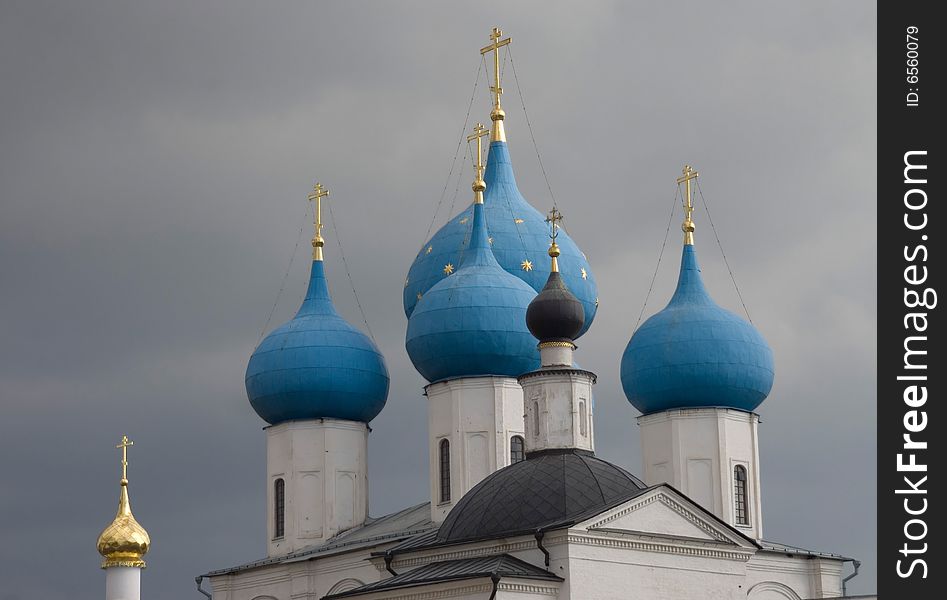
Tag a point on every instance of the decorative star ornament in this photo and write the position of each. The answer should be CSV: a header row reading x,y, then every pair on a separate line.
x,y
517,221
429,248
527,265
585,275
448,269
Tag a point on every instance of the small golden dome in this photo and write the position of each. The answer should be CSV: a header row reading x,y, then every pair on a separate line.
x,y
124,542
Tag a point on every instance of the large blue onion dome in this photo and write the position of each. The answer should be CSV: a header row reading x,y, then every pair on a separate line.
x,y
473,321
317,365
694,353
519,238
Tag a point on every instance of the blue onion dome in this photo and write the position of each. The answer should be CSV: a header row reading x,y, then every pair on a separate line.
x,y
317,366
519,238
473,321
555,314
694,353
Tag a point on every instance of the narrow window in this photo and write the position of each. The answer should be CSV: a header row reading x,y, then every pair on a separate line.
x,y
739,495
279,508
583,420
444,449
535,418
517,449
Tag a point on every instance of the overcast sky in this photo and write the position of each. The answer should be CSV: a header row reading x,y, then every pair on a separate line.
x,y
155,159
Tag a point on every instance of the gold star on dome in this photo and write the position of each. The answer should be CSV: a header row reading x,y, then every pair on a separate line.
x,y
585,275
527,265
419,295
448,269
405,282
517,221
464,220
596,302
429,248
490,240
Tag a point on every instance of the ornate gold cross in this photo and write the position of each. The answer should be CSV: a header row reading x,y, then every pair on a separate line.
x,y
553,219
478,132
497,115
688,225
125,443
318,193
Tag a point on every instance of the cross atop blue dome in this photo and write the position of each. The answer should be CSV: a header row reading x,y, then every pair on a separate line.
x,y
694,353
473,321
519,239
317,366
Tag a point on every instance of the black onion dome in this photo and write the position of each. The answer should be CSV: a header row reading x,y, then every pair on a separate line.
x,y
549,488
555,314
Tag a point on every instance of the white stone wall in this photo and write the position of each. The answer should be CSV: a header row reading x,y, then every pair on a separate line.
x,y
558,410
478,416
696,450
323,464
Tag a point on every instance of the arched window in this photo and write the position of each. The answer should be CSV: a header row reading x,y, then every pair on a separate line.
x,y
279,508
535,418
517,449
739,495
583,419
444,450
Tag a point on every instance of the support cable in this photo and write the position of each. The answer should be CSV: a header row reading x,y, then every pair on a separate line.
x,y
338,239
724,254
292,257
529,126
450,173
660,256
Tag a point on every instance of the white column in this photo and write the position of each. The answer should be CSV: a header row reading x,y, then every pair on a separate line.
x,y
697,450
477,416
558,403
323,464
123,583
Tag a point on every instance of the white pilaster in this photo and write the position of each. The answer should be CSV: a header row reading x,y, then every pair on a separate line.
x,y
123,583
324,467
697,450
477,416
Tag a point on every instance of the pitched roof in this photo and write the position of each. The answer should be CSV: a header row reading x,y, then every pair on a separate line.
x,y
393,527
497,566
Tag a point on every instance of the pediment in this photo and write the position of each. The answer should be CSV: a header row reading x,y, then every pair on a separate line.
x,y
664,512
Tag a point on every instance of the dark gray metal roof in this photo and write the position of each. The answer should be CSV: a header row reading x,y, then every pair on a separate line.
x,y
548,488
502,565
389,528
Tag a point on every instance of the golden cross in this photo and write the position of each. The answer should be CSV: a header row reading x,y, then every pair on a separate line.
x,y
318,193
478,132
554,218
124,446
497,114
478,185
688,226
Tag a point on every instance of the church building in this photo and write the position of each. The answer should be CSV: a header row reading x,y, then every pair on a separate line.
x,y
519,506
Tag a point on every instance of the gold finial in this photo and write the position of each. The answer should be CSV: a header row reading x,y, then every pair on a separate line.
x,y
688,225
318,193
124,542
553,219
478,185
497,114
